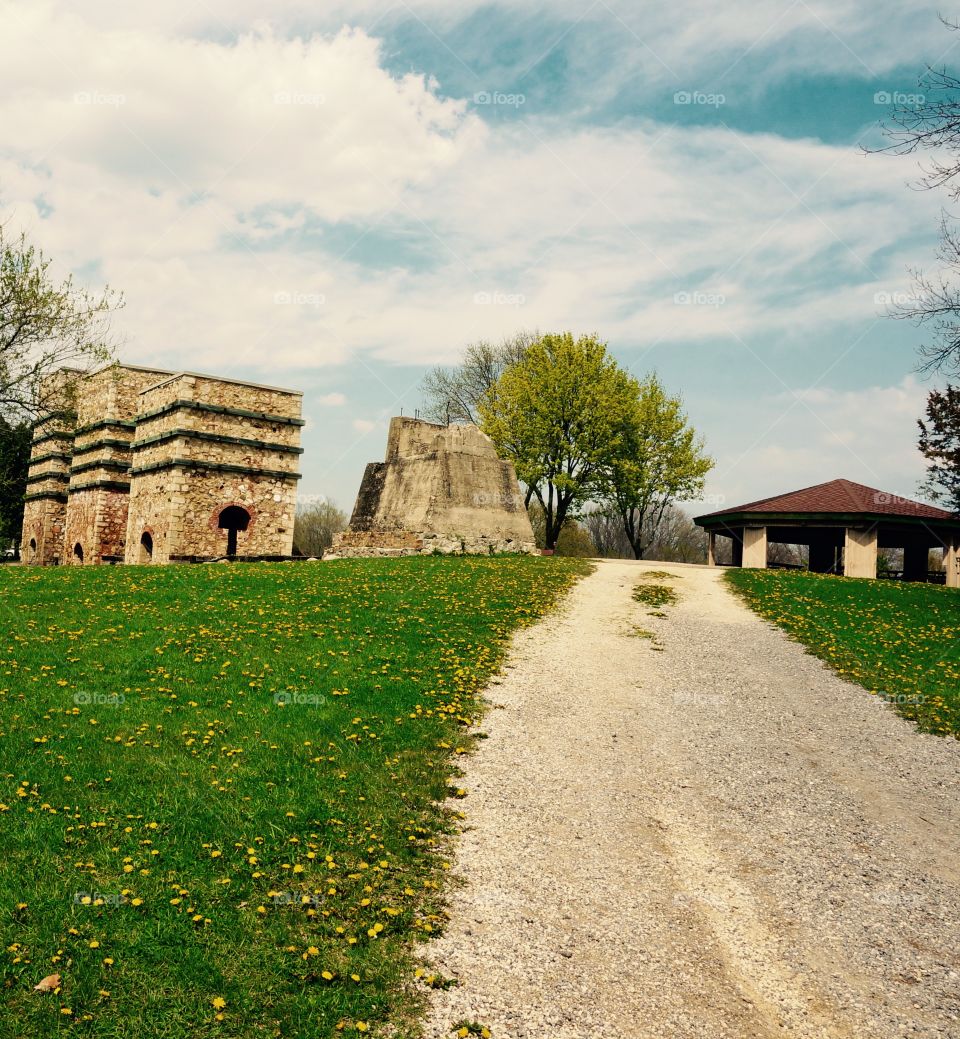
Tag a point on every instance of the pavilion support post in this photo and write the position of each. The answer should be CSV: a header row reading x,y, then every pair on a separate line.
x,y
755,548
712,548
951,562
860,552
915,561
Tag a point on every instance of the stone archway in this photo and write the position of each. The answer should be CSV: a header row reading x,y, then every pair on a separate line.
x,y
146,548
32,550
78,553
233,519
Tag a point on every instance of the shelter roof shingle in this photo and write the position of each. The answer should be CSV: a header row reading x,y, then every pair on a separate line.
x,y
839,496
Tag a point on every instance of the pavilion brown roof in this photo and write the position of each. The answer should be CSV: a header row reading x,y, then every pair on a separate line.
x,y
839,496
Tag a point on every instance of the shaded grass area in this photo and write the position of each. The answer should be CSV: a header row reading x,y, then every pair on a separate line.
x,y
899,640
220,786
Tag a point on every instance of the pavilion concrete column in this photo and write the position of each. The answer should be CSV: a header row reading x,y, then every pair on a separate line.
x,y
712,548
860,552
755,548
951,562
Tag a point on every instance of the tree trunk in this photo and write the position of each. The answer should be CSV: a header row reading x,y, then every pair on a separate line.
x,y
633,528
556,521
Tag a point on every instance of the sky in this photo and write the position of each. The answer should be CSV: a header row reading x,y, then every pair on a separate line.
x,y
336,197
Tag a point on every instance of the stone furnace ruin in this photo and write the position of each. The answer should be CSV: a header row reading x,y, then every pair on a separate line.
x,y
140,465
441,489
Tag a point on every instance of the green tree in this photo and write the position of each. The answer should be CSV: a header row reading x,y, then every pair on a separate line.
x,y
14,461
315,525
574,539
659,460
940,445
45,325
560,414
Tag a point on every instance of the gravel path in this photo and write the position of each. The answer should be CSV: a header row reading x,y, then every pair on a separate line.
x,y
716,838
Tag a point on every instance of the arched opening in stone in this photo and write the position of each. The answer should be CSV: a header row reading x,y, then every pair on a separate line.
x,y
233,519
33,549
78,552
146,548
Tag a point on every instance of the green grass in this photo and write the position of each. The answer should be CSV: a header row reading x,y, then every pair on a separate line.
x,y
221,787
898,640
654,595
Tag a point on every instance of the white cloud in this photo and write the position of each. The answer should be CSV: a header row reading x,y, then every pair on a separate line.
x,y
331,400
170,163
683,39
362,425
199,195
808,436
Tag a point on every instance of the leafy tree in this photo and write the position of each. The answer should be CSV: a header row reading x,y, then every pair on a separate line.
x,y
44,325
560,415
315,525
940,445
454,394
574,539
15,440
658,460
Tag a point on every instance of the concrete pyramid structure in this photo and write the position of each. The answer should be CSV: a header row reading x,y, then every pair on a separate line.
x,y
440,489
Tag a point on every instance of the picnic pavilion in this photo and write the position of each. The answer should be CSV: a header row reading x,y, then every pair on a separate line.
x,y
844,524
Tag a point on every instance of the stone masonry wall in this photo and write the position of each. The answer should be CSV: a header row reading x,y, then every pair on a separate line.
x,y
153,509
271,503
97,522
122,477
43,522
241,448
45,509
99,476
224,392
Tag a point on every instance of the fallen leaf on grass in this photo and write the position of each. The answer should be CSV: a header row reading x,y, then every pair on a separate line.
x,y
50,983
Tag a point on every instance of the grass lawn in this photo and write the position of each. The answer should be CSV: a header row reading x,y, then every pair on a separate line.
x,y
220,786
901,641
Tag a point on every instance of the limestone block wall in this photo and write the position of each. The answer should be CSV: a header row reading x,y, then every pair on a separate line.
x,y
228,393
48,478
154,507
202,446
96,523
96,517
154,453
445,486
